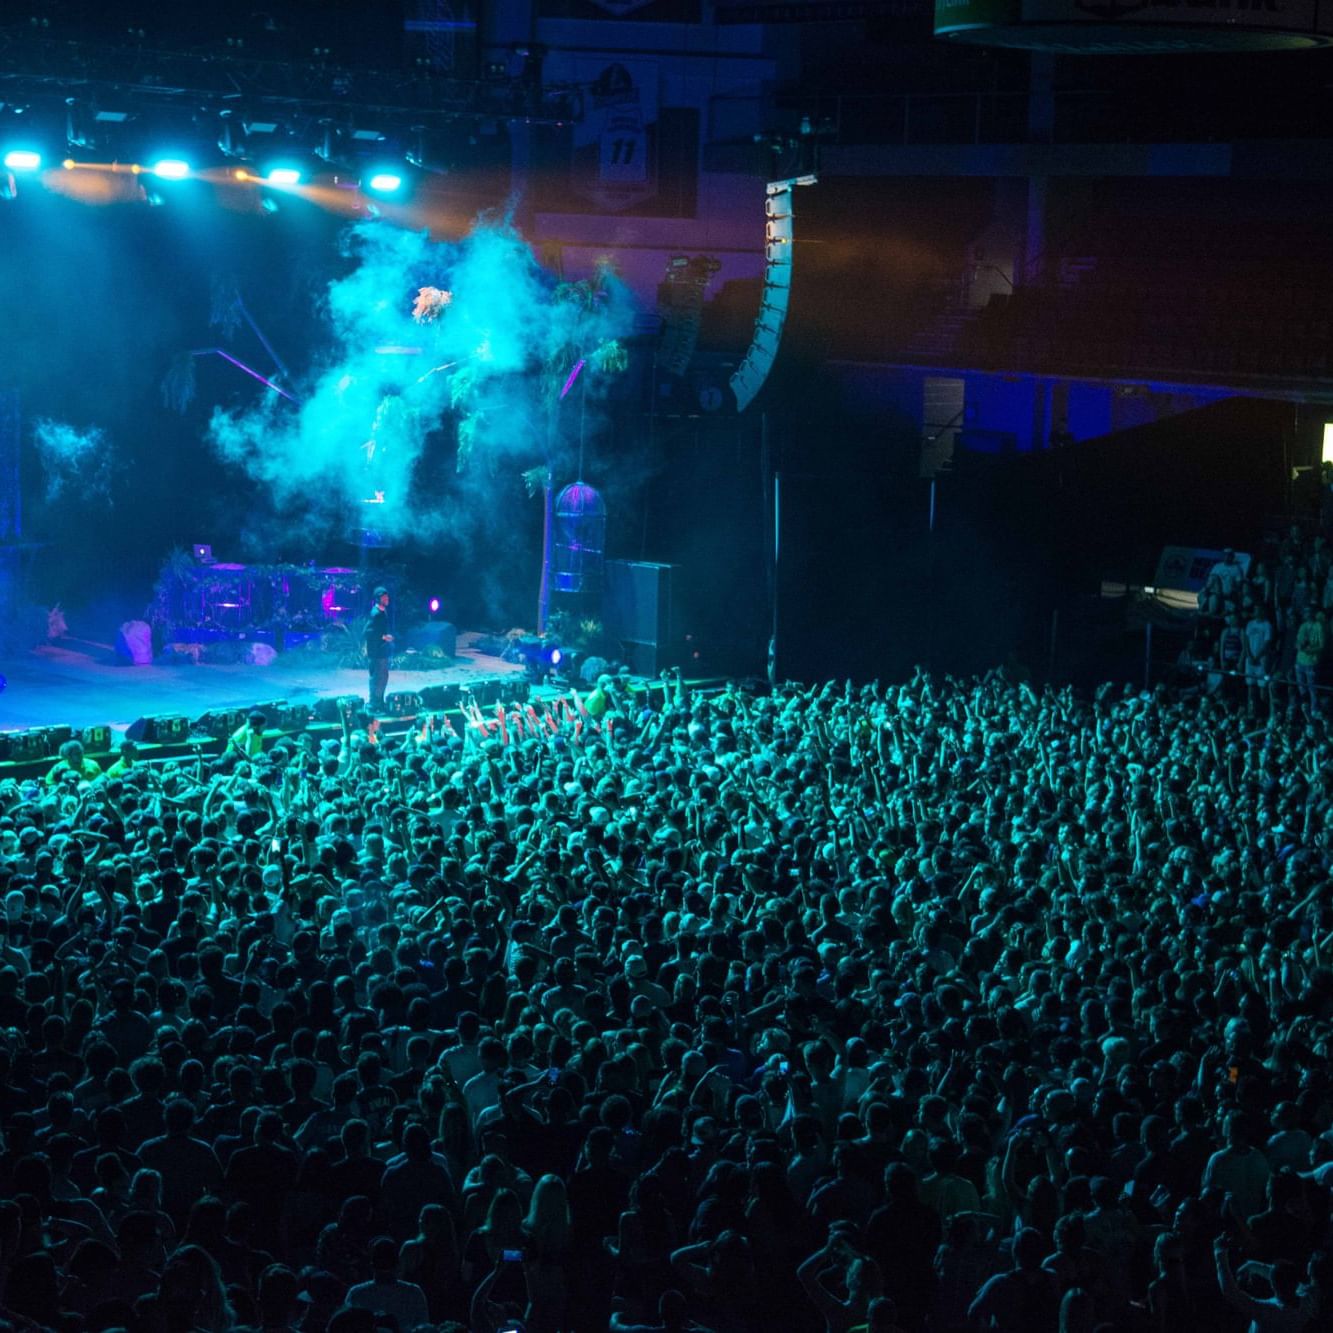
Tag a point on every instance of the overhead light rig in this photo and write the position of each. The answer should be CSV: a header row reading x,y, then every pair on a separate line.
x,y
137,79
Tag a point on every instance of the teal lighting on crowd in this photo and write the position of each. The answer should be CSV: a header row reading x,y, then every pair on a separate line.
x,y
23,159
171,169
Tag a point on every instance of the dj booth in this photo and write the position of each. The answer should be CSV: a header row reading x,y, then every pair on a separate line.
x,y
237,597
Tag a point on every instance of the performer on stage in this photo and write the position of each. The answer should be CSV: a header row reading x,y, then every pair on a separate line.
x,y
379,647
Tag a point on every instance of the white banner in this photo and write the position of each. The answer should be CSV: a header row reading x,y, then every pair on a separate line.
x,y
613,152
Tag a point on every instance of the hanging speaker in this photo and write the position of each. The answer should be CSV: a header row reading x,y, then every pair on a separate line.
x,y
779,236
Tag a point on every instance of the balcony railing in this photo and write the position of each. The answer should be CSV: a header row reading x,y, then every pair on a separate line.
x,y
1075,116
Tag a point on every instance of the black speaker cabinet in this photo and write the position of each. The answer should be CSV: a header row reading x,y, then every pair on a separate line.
x,y
159,729
637,611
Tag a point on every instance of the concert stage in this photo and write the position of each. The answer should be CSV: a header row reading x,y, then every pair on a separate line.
x,y
82,683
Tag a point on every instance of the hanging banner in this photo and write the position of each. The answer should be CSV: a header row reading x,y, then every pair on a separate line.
x,y
614,143
623,141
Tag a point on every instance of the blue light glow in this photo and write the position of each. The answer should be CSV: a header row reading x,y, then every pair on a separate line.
x,y
23,159
171,169
385,182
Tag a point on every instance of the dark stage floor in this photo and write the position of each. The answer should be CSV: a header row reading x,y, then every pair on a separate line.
x,y
82,683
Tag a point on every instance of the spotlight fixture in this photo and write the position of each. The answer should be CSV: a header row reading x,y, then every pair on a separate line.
x,y
23,159
434,606
170,169
540,657
385,182
283,176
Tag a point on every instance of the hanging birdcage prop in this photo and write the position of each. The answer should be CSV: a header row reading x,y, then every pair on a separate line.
x,y
580,537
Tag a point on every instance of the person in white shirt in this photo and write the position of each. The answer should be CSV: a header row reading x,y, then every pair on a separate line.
x,y
1258,653
1289,1145
1238,1169
386,1294
462,1058
1221,584
482,1090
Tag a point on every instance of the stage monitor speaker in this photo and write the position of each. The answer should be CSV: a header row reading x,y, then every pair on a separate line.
x,y
402,703
329,710
436,638
294,717
283,716
494,690
220,723
159,729
96,740
439,697
637,611
20,747
57,735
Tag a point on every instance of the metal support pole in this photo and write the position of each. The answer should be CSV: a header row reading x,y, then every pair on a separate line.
x,y
544,592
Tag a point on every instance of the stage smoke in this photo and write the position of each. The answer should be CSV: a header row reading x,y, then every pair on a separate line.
x,y
72,458
486,368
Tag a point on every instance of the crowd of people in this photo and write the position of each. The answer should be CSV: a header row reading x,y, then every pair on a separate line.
x,y
1264,621
943,1005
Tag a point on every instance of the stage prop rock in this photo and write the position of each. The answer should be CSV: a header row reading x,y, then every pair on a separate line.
x,y
134,642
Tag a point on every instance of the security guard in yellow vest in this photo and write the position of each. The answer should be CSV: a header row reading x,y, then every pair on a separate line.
x,y
247,740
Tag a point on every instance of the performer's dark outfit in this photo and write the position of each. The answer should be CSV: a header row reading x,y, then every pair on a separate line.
x,y
378,651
